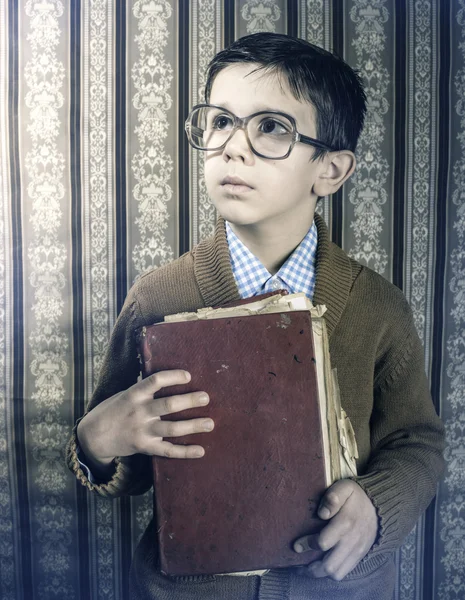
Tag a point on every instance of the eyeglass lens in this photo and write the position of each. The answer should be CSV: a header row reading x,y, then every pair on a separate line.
x,y
270,135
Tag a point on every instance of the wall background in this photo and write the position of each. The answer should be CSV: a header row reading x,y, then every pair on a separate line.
x,y
97,184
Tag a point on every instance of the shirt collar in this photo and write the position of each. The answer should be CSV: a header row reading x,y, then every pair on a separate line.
x,y
297,274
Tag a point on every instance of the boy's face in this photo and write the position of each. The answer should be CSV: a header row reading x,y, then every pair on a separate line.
x,y
278,192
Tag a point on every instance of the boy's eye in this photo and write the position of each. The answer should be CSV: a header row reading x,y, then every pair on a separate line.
x,y
222,122
272,126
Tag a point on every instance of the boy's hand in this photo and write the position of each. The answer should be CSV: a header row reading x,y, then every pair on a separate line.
x,y
129,422
348,536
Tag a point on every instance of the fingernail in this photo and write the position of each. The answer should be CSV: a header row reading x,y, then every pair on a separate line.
x,y
324,513
298,548
203,399
187,375
199,452
207,425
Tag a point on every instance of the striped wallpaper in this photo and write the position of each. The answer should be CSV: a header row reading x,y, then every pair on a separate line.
x,y
98,184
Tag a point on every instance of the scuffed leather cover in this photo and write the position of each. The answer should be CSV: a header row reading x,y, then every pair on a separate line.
x,y
257,488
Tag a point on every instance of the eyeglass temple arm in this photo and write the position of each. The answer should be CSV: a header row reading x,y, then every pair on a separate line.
x,y
312,142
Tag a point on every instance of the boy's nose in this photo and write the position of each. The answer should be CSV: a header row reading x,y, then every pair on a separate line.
x,y
238,146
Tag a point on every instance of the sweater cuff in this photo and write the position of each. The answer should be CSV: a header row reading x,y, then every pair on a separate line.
x,y
132,474
108,488
387,500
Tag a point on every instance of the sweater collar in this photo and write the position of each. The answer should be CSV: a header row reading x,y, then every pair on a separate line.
x,y
212,268
217,285
333,276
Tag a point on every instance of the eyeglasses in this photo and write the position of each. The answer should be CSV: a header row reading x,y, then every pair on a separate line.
x,y
271,134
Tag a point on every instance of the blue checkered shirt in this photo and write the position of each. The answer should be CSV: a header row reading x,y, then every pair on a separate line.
x,y
297,274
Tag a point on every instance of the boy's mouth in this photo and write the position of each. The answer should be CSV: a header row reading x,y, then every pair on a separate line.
x,y
235,184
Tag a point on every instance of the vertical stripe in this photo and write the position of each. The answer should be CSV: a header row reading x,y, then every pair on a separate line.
x,y
366,205
153,45
419,235
119,127
431,178
206,40
44,107
302,25
18,308
448,382
183,144
337,208
154,136
292,17
86,555
194,183
401,139
314,25
105,530
10,561
82,581
229,18
116,101
443,193
421,162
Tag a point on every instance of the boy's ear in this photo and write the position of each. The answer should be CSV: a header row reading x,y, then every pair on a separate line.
x,y
336,168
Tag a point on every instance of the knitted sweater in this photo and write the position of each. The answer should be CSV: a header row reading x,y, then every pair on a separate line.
x,y
373,345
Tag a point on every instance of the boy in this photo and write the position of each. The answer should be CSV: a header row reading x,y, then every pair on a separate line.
x,y
279,129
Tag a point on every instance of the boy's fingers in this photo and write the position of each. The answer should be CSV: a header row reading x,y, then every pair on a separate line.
x,y
306,543
180,428
339,526
334,498
169,450
337,563
146,388
328,537
174,404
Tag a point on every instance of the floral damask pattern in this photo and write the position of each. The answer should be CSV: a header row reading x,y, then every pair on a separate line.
x,y
419,218
368,194
205,44
261,15
312,26
48,430
422,144
98,192
98,243
151,165
452,508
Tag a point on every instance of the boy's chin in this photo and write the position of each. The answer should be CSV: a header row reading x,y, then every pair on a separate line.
x,y
236,215
240,220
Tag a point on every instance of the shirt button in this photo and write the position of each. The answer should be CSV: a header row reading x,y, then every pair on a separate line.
x,y
275,285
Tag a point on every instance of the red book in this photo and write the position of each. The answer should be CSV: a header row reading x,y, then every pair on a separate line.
x,y
267,462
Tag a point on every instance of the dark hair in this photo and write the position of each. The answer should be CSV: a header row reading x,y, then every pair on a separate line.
x,y
313,74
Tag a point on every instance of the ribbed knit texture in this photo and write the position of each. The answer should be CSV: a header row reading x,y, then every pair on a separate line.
x,y
275,585
379,360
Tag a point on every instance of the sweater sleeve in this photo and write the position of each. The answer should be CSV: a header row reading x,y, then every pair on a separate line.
x,y
407,441
120,369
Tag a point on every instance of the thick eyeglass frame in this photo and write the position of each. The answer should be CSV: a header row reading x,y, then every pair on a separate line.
x,y
242,124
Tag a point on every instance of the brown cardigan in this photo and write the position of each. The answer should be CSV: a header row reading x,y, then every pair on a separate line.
x,y
373,345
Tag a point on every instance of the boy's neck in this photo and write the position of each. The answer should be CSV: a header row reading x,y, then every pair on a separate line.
x,y
272,245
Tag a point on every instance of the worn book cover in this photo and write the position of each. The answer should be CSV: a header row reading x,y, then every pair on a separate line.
x,y
275,447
